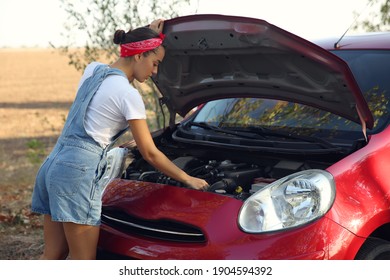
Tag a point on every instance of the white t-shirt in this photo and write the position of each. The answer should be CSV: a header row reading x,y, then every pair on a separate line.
x,y
115,102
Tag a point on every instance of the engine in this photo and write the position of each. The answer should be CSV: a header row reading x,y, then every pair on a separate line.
x,y
226,177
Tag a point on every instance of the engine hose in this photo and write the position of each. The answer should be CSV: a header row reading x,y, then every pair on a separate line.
x,y
228,185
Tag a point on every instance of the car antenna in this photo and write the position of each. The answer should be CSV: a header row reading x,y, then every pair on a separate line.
x,y
336,45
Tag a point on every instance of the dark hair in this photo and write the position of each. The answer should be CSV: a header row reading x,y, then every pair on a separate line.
x,y
138,34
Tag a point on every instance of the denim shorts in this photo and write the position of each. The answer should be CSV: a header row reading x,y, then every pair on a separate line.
x,y
67,185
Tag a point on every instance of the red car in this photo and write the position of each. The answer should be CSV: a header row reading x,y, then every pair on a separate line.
x,y
292,137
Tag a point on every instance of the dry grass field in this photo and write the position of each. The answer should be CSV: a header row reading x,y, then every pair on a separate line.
x,y
37,87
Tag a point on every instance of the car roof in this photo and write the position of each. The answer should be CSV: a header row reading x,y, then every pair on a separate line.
x,y
374,40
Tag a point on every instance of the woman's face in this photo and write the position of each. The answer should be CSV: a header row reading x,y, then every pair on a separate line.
x,y
147,66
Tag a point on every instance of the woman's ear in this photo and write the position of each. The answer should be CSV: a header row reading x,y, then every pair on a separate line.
x,y
138,57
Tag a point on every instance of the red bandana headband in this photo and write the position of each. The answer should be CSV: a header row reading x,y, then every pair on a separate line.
x,y
139,47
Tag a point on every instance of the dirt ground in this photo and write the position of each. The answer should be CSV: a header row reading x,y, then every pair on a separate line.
x,y
37,87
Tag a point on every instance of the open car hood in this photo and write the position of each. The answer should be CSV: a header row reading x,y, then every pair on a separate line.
x,y
214,56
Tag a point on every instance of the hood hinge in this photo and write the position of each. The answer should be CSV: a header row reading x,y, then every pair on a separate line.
x,y
363,122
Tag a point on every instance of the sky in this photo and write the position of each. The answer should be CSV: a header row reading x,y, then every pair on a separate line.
x,y
35,23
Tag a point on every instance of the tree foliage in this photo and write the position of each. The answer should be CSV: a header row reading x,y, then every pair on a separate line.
x,y
378,18
95,21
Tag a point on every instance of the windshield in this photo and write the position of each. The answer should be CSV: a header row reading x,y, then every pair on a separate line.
x,y
275,115
371,70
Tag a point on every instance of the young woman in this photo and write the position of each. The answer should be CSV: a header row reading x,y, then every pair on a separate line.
x,y
67,189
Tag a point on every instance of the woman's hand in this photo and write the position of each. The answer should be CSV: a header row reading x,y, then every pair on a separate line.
x,y
157,159
196,183
157,25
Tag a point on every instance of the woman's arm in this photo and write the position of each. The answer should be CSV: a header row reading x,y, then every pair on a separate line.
x,y
155,157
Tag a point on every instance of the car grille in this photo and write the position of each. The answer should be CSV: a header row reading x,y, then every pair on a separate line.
x,y
158,229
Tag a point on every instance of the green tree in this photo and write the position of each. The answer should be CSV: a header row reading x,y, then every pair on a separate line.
x,y
97,20
378,18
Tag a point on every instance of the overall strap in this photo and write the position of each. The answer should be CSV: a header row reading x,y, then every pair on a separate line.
x,y
74,126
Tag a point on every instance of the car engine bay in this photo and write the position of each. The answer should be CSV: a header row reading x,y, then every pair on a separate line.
x,y
226,175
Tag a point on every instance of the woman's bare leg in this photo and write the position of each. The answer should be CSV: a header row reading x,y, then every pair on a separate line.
x,y
56,247
82,240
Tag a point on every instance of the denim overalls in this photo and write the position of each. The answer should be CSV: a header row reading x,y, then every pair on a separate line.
x,y
67,186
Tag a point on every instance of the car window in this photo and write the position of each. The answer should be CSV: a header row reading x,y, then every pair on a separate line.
x,y
371,70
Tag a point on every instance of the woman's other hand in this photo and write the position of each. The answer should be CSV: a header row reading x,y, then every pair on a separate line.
x,y
157,25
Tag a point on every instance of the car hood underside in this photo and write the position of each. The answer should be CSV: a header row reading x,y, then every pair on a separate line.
x,y
214,56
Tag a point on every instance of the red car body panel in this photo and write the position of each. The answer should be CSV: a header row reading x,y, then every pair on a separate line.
x,y
339,235
360,177
363,187
208,212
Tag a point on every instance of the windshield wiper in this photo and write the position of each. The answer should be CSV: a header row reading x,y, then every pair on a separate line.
x,y
310,139
205,125
253,133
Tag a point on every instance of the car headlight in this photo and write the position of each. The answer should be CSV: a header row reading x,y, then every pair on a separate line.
x,y
289,202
